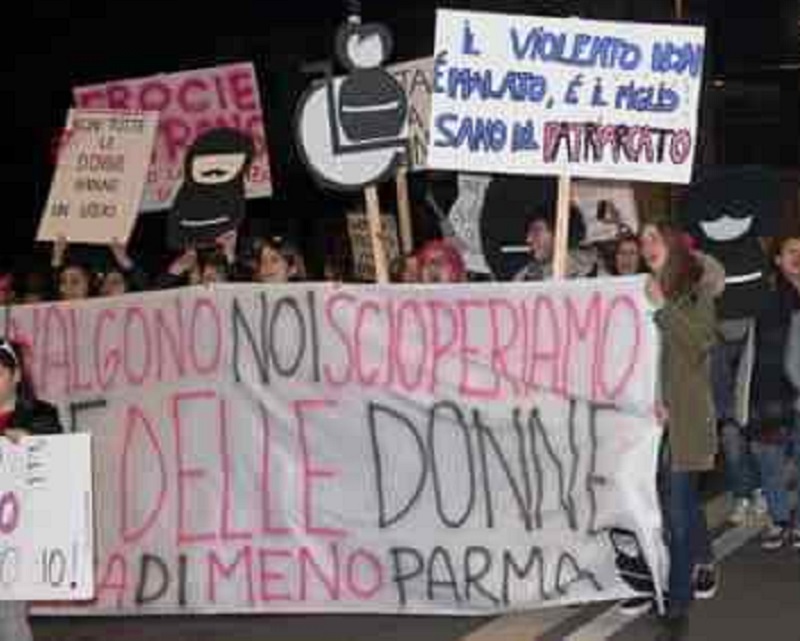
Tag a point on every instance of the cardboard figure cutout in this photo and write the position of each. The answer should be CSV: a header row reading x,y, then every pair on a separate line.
x,y
352,132
372,104
727,211
211,201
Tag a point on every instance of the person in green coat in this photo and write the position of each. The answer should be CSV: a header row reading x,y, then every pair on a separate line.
x,y
681,289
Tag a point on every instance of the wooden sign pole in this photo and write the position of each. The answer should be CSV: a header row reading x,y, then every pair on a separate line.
x,y
404,211
561,250
376,234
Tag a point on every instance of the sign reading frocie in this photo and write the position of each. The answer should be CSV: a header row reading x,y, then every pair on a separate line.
x,y
530,95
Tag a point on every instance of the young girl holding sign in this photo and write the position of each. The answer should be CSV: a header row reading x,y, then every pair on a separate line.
x,y
682,289
21,414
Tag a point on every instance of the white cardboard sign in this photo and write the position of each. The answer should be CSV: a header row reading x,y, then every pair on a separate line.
x,y
531,95
46,523
99,177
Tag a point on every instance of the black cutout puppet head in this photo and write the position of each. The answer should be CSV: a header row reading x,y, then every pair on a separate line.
x,y
211,201
727,211
353,131
372,104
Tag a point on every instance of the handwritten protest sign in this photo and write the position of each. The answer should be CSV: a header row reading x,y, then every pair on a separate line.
x,y
189,103
416,78
99,177
46,536
404,449
361,243
531,95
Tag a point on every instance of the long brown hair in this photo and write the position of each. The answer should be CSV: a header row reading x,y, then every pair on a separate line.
x,y
682,270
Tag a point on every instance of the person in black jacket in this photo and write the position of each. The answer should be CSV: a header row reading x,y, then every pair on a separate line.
x,y
21,414
774,395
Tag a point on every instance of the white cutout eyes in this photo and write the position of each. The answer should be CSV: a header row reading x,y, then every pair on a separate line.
x,y
217,169
726,228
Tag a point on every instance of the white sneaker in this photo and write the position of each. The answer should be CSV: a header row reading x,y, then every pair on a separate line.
x,y
741,509
774,538
760,507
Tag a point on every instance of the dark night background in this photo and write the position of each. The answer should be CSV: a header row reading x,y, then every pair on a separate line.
x,y
750,114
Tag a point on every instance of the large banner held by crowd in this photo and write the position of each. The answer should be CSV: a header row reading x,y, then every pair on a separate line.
x,y
392,449
46,526
100,174
189,103
550,96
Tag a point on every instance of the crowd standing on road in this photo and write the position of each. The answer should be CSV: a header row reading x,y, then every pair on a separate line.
x,y
683,285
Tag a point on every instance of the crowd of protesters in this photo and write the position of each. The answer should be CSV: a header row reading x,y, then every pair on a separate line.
x,y
682,287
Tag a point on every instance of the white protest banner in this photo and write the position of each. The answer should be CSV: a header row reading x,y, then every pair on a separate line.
x,y
396,449
99,178
361,243
416,78
530,95
189,103
46,535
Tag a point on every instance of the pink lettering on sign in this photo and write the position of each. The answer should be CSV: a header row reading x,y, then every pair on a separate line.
x,y
140,430
239,570
443,341
190,478
189,447
114,579
303,574
311,471
228,531
80,350
568,344
268,527
9,512
273,578
471,354
189,103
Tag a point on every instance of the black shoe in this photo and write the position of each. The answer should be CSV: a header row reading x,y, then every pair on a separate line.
x,y
705,582
636,606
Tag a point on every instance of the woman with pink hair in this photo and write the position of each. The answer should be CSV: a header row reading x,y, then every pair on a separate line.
x,y
441,262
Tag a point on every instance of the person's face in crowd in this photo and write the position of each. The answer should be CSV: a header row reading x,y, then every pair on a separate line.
x,y
540,240
788,260
627,257
654,249
410,270
212,274
436,268
74,284
273,267
113,284
9,378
